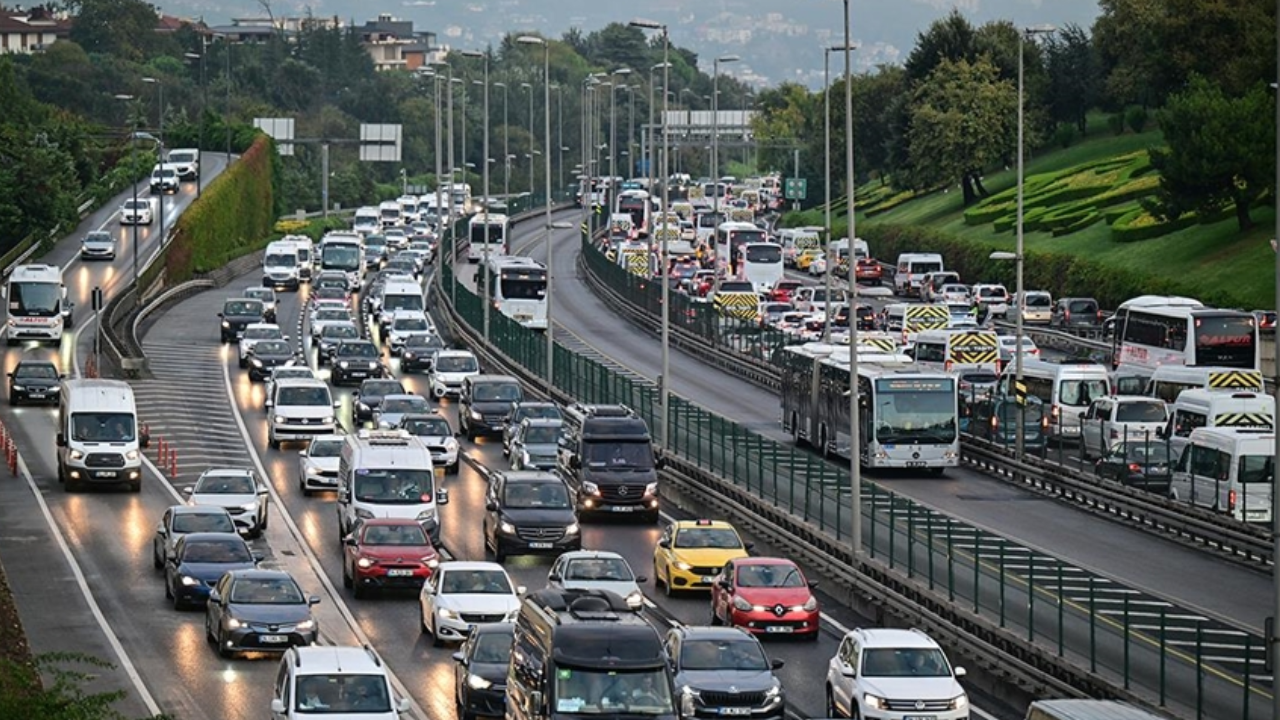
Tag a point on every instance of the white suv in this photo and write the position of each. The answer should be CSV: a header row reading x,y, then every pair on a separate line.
x,y
893,675
347,682
237,490
300,409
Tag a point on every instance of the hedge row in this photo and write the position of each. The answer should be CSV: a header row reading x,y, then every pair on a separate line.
x,y
1062,274
234,216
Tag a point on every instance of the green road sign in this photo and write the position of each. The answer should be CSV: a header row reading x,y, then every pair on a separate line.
x,y
795,188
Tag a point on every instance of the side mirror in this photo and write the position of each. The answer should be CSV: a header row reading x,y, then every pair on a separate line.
x,y
960,672
664,543
641,579
221,315
813,584
259,557
442,497
776,664
61,440
1160,432
402,706
849,672
748,546
302,453
188,490
144,440
344,496
277,706
521,589
460,658
313,600
262,490
268,403
491,505
160,528
337,403
555,577
215,597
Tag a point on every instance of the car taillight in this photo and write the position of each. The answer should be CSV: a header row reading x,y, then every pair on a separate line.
x,y
1067,315
1231,501
1053,410
1135,467
995,422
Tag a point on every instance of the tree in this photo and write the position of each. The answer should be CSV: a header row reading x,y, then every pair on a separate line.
x,y
1221,150
1072,70
951,38
962,121
22,694
126,28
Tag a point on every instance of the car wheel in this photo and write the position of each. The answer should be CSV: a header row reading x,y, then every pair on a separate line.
x,y
156,560
657,579
357,591
266,519
832,711
666,586
452,469
435,637
13,399
223,650
168,589
273,443
208,631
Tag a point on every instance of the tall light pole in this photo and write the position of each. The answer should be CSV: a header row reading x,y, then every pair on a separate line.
x,y
631,127
650,155
546,157
435,80
451,222
485,154
1274,640
131,120
826,114
715,130
204,101
664,380
227,41
855,441
159,142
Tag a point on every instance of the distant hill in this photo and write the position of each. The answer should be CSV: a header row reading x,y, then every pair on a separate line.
x,y
777,41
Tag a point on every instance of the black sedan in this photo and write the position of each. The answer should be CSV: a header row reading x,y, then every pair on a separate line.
x,y
368,398
198,561
237,314
724,671
1147,466
355,360
480,676
419,351
269,354
259,610
34,381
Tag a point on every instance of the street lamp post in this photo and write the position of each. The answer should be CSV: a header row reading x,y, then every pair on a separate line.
x,y
715,130
664,380
228,43
448,212
159,142
133,160
855,441
506,153
649,153
485,295
204,101
546,164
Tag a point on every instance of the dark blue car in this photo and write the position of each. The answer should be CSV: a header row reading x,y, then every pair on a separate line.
x,y
198,561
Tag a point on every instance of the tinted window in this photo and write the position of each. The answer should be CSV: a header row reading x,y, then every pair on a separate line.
x,y
528,495
292,396
217,552
769,576
722,538
361,350
475,582
266,591
742,655
904,662
202,522
1141,412
225,485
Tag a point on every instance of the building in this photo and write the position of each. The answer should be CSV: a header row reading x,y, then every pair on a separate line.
x,y
28,31
395,45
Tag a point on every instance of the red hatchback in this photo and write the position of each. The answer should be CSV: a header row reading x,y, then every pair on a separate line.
x,y
782,290
386,554
765,596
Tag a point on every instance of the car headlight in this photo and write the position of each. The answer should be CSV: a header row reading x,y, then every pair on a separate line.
x,y
475,682
280,419
773,692
364,514
327,420
572,529
306,625
507,527
590,488
344,365
526,459
431,562
19,388
875,702
226,324
683,566
448,614
408,355
427,515
475,415
250,506
363,407
364,563
741,604
810,605
373,365
450,444
131,456
651,489
76,455
232,623
190,581
635,600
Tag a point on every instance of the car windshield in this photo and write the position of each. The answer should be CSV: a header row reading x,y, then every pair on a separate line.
x,y
405,405
424,341
1080,393
103,427
410,324
266,591
136,205
325,448
272,347
428,427
599,569
331,292
358,350
292,373
719,538
342,694
332,315
202,522
97,236
340,331
904,662
242,307
492,647
1147,412
280,260
317,396
628,454
409,534
1038,301
456,364
381,388
550,412
496,392
743,654
394,486
217,551
261,333
224,485
263,294
610,692
542,435
402,302
769,576
475,582
530,495
33,371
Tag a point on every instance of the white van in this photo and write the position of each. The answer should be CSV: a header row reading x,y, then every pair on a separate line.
x,y
281,266
399,295
318,681
408,208
1168,381
911,268
388,474
99,440
1197,408
367,221
1121,419
1068,388
389,214
1228,470
299,409
306,254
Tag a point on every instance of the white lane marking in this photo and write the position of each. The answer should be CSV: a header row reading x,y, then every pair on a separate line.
x,y
125,663
305,547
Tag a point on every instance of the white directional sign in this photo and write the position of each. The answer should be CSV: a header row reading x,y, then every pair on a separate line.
x,y
280,129
379,143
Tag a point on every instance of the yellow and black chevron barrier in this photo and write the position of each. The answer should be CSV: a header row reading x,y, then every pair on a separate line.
x,y
1236,380
637,263
974,348
926,317
1242,420
877,343
742,306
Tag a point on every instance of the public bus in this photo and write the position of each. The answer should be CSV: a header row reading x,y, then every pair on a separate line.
x,y
729,237
488,232
345,252
908,417
636,203
1152,336
37,302
760,264
518,289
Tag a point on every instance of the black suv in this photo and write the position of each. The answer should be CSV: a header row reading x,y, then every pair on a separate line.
x,y
355,360
237,313
419,350
486,402
529,513
368,398
725,672
34,381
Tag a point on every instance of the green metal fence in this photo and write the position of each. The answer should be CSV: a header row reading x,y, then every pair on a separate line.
x,y
1178,659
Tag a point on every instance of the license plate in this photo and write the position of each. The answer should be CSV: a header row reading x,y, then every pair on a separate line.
x,y
622,508
541,545
919,717
782,629
107,473
708,579
915,463
36,396
399,573
273,639
735,711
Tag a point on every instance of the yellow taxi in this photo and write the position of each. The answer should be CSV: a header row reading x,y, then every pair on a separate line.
x,y
805,257
690,553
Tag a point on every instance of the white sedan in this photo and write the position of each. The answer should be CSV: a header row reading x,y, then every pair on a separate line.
x,y
818,266
136,212
461,595
239,491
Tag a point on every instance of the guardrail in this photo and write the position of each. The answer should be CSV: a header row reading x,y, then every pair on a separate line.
x,y
1013,609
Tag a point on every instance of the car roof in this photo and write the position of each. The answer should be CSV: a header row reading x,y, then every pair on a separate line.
x,y
198,510
403,396
695,524
211,537
530,476
705,632
454,565
257,574
312,381
329,659
894,638
226,472
765,561
389,521
542,422
591,554
329,438
37,363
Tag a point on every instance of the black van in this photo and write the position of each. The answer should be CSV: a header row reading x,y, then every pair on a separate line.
x,y
486,402
607,456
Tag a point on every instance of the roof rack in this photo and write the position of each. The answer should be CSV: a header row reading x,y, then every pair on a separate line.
x,y
384,436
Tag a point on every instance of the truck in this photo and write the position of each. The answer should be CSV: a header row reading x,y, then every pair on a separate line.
x,y
607,456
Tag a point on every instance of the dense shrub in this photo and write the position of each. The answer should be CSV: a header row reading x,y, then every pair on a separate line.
x,y
1116,123
1136,118
1064,135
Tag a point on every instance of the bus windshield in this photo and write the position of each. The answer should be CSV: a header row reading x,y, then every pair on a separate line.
x,y
340,257
919,410
1226,341
34,299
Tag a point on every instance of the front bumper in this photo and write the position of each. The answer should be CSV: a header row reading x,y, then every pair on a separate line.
x,y
281,281
458,627
267,638
104,476
313,479
531,543
293,429
595,503
766,622
445,389
50,395
695,578
392,577
490,702
37,332
246,521
89,253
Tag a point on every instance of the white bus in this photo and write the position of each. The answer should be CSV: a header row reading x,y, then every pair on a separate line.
x,y
488,231
37,301
637,204
1151,336
909,417
518,289
389,214
460,199
729,237
760,263
344,252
